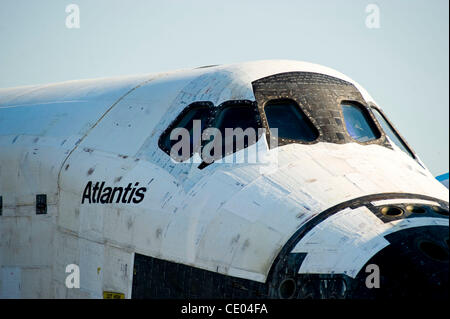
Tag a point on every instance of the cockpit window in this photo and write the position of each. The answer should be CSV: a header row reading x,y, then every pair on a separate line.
x,y
391,133
358,122
286,116
234,124
201,112
238,124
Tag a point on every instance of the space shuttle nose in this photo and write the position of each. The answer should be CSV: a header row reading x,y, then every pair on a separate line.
x,y
402,251
415,264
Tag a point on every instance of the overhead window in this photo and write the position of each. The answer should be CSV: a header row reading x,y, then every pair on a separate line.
x,y
201,112
286,116
391,133
358,122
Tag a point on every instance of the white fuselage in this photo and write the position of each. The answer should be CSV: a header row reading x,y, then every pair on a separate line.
x,y
229,219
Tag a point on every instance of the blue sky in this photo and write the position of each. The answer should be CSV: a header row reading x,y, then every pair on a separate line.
x,y
404,64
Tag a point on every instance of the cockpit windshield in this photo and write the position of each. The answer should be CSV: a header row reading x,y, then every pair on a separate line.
x,y
200,113
287,117
235,125
359,124
238,126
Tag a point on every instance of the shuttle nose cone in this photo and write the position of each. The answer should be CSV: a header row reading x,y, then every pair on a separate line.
x,y
370,248
415,264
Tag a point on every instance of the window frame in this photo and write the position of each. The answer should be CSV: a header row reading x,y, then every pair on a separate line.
x,y
365,108
284,141
394,129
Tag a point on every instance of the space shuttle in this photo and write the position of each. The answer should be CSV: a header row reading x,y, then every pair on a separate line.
x,y
326,200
